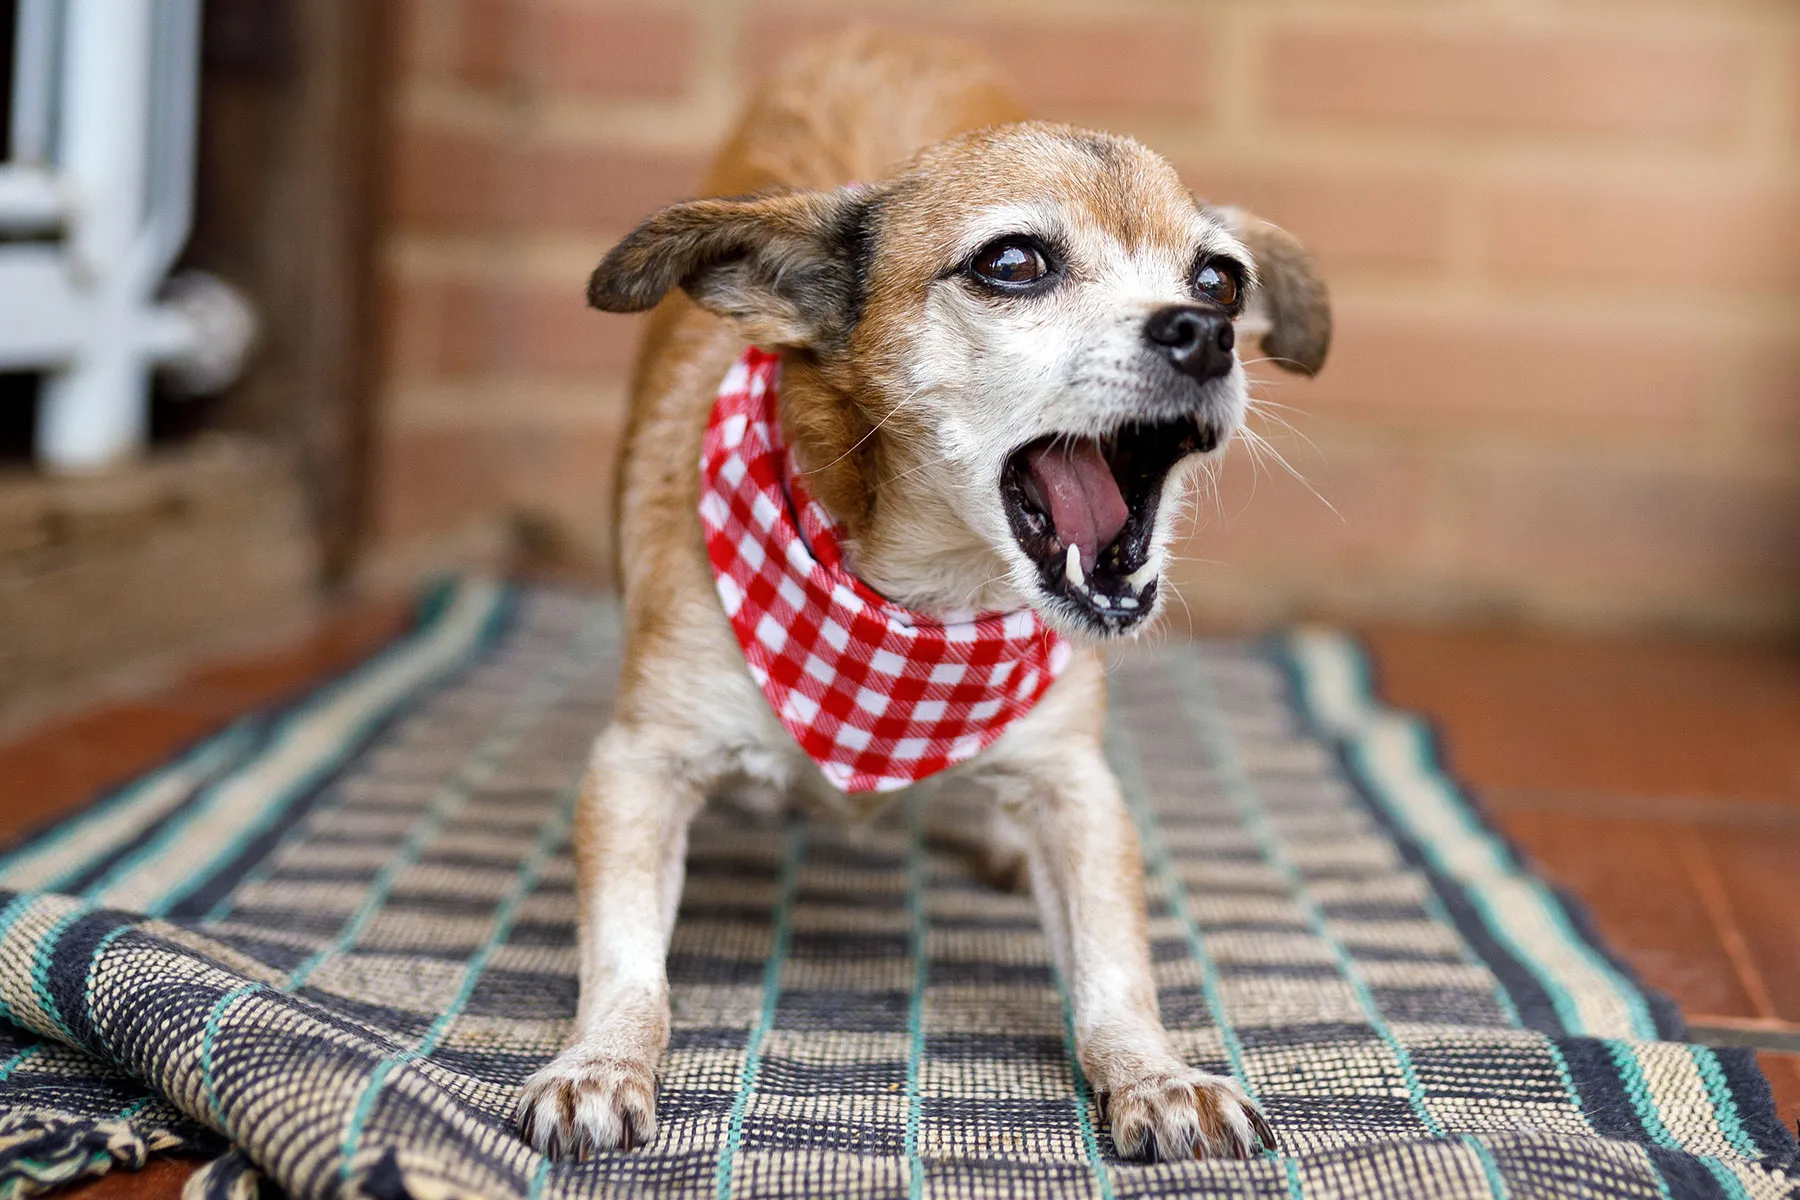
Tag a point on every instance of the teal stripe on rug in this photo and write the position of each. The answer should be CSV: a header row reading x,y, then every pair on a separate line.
x,y
209,1037
793,854
1219,744
551,837
1724,1107
34,866
1122,753
589,643
1082,1101
917,878
308,742
1643,1023
51,861
40,970
18,1060
1490,1169
1395,758
530,706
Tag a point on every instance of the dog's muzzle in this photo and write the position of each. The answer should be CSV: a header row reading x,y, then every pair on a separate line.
x,y
1084,507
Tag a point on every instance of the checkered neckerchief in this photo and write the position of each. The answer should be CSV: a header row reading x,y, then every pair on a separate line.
x,y
878,696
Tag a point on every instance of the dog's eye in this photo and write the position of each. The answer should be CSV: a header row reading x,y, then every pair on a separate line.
x,y
1218,282
1011,262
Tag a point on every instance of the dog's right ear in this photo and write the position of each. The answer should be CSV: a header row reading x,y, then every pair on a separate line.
x,y
1290,309
787,268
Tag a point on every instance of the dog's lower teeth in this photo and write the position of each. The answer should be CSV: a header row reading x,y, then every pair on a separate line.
x,y
1072,569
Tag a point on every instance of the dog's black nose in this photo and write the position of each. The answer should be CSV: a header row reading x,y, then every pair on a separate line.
x,y
1197,340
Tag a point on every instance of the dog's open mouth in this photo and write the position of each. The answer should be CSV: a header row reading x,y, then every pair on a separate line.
x,y
1084,510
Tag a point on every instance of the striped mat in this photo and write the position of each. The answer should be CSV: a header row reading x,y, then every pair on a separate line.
x,y
325,946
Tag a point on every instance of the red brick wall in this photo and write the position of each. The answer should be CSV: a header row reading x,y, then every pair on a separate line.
x,y
1563,236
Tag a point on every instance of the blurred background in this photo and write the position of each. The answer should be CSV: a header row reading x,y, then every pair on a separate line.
x,y
1563,238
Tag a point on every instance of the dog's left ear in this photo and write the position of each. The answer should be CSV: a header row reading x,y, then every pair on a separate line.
x,y
1290,307
786,269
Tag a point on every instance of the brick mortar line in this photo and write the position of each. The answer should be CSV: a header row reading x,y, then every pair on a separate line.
x,y
564,414
675,122
718,58
499,254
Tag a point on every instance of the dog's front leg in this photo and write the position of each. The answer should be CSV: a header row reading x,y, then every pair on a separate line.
x,y
630,843
1087,874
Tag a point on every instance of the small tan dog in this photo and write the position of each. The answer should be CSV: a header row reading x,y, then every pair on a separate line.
x,y
1005,349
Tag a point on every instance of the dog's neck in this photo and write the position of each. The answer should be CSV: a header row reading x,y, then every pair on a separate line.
x,y
900,535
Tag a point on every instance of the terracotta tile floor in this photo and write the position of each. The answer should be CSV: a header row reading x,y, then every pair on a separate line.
x,y
1658,781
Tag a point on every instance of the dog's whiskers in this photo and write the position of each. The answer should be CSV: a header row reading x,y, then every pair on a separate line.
x,y
1288,363
873,430
1259,445
1265,402
1185,607
1257,411
961,484
1260,406
969,596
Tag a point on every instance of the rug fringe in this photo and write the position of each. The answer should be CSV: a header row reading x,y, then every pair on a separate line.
x,y
231,1176
39,1152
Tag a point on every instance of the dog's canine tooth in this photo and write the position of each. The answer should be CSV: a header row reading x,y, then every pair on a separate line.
x,y
1141,577
1072,569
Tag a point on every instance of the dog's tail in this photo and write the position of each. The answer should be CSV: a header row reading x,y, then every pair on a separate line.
x,y
850,106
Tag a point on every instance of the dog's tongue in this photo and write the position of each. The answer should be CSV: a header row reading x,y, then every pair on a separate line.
x,y
1084,500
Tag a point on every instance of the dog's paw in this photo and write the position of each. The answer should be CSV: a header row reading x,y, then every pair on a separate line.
x,y
581,1103
1185,1114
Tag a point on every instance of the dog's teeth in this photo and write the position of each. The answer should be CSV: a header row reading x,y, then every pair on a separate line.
x,y
1127,602
1141,577
1072,569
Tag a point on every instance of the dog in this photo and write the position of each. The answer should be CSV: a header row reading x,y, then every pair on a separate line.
x,y
992,355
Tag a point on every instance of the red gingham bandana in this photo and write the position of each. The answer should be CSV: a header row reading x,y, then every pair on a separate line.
x,y
878,696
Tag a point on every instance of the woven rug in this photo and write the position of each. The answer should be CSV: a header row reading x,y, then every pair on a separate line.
x,y
326,945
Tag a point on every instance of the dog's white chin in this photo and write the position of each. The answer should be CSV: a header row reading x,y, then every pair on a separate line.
x,y
1086,633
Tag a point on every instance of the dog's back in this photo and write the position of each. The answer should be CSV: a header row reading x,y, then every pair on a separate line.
x,y
850,106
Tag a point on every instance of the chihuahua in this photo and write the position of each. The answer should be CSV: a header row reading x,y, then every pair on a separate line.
x,y
922,391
